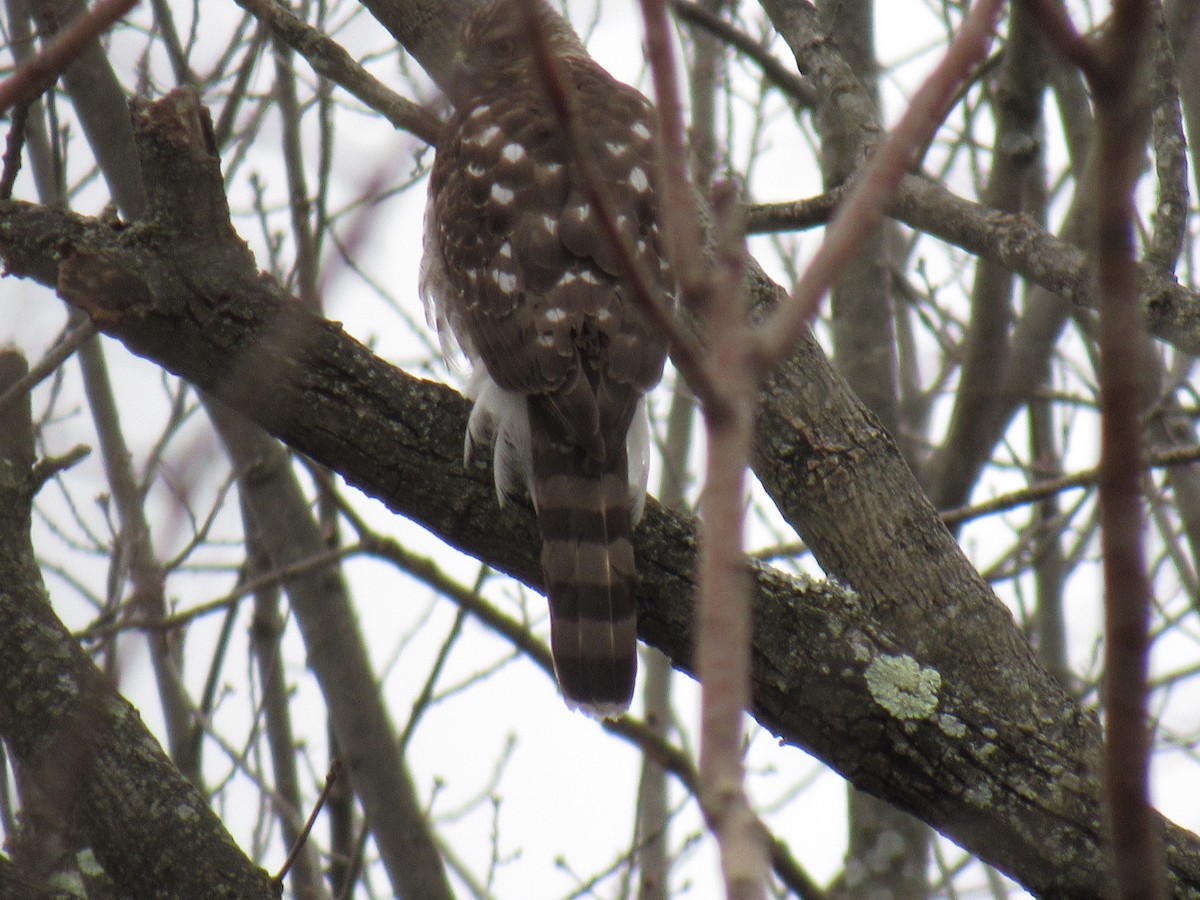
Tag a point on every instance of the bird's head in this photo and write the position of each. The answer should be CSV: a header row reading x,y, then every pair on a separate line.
x,y
497,43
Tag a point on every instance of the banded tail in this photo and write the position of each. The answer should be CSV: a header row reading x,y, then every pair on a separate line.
x,y
585,514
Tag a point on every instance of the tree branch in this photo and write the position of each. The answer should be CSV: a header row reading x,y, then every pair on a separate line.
x,y
96,771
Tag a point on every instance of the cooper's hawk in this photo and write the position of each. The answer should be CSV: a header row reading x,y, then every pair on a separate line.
x,y
517,268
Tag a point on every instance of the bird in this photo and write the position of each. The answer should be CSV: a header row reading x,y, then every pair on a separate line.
x,y
517,272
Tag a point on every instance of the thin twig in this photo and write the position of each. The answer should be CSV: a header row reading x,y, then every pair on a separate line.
x,y
31,79
299,201
46,468
679,210
864,208
1055,24
335,768
59,353
724,609
12,150
329,58
104,628
796,86
1177,456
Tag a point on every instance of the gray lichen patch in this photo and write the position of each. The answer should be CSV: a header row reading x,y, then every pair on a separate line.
x,y
902,687
951,726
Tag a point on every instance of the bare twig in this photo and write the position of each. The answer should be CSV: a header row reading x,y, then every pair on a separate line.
x,y
723,605
46,468
303,867
12,150
329,58
796,86
301,205
34,77
1055,23
178,620
335,769
135,549
1166,243
1117,79
863,209
1177,456
57,354
679,206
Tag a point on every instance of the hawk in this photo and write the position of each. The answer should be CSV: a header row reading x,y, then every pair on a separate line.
x,y
517,270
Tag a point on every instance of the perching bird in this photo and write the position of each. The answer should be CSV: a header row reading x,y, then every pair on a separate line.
x,y
517,268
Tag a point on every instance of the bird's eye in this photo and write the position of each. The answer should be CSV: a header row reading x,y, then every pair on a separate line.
x,y
503,47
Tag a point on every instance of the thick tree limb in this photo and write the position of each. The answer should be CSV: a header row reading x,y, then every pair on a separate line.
x,y
1014,241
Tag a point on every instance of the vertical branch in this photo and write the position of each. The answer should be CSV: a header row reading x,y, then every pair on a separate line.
x,y
706,74
346,836
338,656
135,545
1121,127
724,611
137,555
1049,568
652,856
1115,66
47,176
653,860
681,214
266,636
145,571
302,231
1166,242
980,403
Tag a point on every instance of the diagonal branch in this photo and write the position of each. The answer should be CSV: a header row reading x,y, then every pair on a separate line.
x,y
329,58
39,73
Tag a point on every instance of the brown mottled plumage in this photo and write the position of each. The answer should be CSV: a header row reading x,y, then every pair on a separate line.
x,y
517,268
